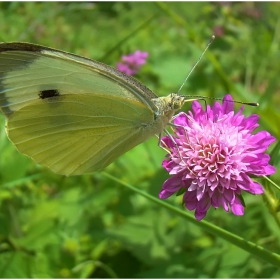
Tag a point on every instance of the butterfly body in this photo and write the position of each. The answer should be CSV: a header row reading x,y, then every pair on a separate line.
x,y
72,114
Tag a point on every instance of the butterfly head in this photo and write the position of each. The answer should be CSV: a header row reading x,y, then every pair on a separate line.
x,y
176,101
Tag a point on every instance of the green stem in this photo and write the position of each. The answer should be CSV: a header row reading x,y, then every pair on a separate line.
x,y
271,203
20,181
248,246
179,20
107,268
131,34
271,182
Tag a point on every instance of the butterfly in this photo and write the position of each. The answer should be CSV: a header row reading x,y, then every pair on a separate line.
x,y
73,114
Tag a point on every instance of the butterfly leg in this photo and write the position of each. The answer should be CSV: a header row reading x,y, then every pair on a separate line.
x,y
162,145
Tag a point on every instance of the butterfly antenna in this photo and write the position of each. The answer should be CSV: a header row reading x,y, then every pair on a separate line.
x,y
203,97
208,45
197,97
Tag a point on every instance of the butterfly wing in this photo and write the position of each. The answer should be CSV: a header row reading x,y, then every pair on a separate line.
x,y
76,134
68,113
26,70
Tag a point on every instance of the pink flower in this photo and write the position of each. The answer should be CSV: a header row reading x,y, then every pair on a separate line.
x,y
214,156
218,30
131,63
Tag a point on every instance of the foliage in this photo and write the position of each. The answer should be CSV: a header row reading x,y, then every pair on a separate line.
x,y
90,226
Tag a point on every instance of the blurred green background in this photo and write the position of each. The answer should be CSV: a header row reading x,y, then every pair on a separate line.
x,y
91,227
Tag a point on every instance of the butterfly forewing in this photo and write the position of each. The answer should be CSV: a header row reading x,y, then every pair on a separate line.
x,y
24,74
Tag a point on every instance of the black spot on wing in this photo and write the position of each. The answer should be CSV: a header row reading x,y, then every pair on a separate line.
x,y
48,93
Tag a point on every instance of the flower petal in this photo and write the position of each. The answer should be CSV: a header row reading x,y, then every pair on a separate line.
x,y
237,207
228,104
170,186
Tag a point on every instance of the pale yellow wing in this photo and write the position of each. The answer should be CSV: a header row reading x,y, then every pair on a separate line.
x,y
26,70
76,134
70,113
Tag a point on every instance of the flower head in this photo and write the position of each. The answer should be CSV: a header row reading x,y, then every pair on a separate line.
x,y
214,155
219,30
130,64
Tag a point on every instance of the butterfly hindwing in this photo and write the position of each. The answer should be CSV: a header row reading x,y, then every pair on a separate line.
x,y
74,134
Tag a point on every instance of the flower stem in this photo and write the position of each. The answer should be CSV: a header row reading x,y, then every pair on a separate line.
x,y
271,182
240,242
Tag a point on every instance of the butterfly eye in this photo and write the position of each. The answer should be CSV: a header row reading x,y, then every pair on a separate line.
x,y
177,102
